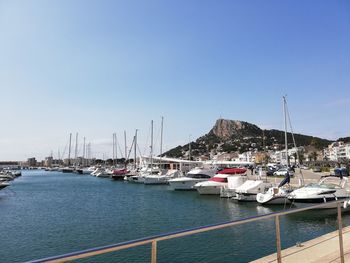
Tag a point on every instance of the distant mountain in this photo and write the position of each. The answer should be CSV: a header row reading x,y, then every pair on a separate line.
x,y
344,139
240,136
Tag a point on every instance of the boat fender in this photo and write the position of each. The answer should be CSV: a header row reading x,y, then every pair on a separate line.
x,y
345,204
324,199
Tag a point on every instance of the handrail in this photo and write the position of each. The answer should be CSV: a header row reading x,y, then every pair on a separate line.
x,y
153,239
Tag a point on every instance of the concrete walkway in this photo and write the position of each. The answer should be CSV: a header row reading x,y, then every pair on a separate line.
x,y
321,250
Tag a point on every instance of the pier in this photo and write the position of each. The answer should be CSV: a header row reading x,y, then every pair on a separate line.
x,y
323,249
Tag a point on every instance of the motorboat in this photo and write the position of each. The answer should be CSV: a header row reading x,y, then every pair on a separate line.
x,y
233,182
213,186
276,195
161,178
3,184
326,190
86,170
237,177
100,172
140,176
67,170
193,177
6,176
119,174
249,190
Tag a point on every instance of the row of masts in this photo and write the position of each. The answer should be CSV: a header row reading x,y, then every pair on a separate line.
x,y
87,147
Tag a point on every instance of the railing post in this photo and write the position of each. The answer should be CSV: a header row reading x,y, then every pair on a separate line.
x,y
278,239
154,251
340,231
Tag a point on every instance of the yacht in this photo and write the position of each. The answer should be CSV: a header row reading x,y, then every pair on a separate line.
x,y
160,178
213,186
326,190
3,184
67,170
276,195
194,176
140,176
233,182
86,170
119,174
249,190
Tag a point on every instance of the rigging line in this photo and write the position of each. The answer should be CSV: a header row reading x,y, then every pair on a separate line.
x,y
295,145
118,147
64,150
141,159
120,150
147,142
132,144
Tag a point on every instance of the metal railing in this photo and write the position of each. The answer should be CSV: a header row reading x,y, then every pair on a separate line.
x,y
153,240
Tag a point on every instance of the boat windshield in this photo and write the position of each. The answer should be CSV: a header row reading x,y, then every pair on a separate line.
x,y
198,176
322,186
219,179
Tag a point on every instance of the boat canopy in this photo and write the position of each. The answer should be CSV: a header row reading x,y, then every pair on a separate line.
x,y
232,171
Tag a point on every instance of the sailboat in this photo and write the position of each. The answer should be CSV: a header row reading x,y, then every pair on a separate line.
x,y
279,194
68,169
162,176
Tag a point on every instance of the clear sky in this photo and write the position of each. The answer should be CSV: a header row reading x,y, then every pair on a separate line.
x,y
98,67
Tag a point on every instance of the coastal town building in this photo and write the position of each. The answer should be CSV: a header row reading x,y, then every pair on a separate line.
x,y
337,151
31,162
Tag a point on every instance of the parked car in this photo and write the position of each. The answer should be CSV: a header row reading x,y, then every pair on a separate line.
x,y
339,172
316,169
283,172
270,171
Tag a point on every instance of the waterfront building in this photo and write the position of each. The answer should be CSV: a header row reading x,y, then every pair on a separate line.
x,y
32,162
9,165
337,151
48,161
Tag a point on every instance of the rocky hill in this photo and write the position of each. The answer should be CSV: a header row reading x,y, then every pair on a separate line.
x,y
240,136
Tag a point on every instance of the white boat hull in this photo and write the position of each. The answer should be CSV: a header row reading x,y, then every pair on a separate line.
x,y
273,196
245,197
272,200
212,189
155,180
184,183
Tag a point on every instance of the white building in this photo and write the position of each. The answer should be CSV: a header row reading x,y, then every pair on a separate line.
x,y
336,151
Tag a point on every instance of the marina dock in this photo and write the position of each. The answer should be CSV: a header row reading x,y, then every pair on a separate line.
x,y
323,249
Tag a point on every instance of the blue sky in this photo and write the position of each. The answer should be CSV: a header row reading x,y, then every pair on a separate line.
x,y
98,67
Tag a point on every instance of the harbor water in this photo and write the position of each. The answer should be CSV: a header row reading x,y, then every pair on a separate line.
x,y
50,213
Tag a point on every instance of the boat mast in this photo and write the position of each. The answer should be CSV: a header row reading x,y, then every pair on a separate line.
x,y
113,146
135,147
84,149
189,147
125,146
161,137
285,128
151,144
76,149
70,146
116,149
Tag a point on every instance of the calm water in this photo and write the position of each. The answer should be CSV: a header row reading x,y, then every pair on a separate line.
x,y
49,213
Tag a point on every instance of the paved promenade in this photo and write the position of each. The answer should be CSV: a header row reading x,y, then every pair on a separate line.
x,y
324,249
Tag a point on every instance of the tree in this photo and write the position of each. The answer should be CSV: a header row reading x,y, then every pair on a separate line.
x,y
314,156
